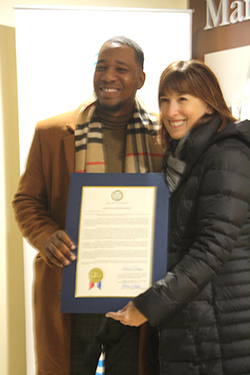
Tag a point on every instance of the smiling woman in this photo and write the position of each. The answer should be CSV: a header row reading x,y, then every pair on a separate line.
x,y
180,113
201,306
189,91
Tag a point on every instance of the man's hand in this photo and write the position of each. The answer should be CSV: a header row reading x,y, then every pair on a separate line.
x,y
129,315
58,249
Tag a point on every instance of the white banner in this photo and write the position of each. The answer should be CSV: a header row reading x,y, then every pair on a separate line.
x,y
56,53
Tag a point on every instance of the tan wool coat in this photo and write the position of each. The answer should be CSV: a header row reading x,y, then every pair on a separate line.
x,y
40,210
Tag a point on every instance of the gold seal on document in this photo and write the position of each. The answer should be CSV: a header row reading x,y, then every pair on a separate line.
x,y
117,195
95,275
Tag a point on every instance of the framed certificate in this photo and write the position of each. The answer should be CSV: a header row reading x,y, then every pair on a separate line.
x,y
119,222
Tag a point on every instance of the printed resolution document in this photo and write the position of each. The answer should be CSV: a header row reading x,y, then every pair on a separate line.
x,y
115,242
119,223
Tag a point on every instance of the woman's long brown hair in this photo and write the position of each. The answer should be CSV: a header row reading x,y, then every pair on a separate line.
x,y
197,79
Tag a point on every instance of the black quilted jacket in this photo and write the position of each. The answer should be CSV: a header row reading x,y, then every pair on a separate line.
x,y
202,305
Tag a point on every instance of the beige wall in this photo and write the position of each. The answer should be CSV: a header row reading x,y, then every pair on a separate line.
x,y
12,314
12,330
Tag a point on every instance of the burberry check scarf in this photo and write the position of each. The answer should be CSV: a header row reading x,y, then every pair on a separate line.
x,y
139,155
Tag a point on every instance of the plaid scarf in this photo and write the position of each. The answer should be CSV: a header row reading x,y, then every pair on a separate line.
x,y
142,152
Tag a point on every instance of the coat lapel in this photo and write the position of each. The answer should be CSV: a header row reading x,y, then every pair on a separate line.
x,y
69,150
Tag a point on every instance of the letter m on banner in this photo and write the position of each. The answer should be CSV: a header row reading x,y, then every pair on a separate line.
x,y
214,16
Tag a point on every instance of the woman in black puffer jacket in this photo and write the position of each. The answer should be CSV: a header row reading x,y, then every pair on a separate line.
x,y
202,306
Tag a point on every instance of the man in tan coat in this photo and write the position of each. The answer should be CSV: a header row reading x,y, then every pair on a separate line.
x,y
113,132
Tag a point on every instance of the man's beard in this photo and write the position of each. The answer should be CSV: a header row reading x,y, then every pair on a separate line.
x,y
111,108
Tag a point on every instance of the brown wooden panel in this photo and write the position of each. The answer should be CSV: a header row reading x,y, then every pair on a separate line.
x,y
219,38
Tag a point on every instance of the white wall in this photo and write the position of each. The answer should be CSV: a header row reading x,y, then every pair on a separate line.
x,y
7,16
232,66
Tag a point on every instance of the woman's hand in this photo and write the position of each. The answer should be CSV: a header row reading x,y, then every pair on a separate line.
x,y
128,316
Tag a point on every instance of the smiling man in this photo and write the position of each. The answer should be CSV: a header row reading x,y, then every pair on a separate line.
x,y
112,132
118,76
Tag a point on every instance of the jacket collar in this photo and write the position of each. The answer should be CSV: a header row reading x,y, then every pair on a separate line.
x,y
197,142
